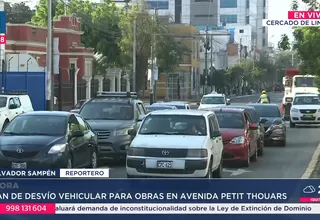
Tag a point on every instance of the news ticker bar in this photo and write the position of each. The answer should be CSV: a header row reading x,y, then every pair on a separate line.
x,y
54,173
164,208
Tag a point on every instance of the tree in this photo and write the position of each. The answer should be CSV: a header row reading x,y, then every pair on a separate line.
x,y
167,50
99,21
284,43
18,13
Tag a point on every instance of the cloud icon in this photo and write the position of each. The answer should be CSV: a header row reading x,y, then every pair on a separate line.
x,y
309,189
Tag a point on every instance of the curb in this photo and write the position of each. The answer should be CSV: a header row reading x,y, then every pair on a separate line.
x,y
312,164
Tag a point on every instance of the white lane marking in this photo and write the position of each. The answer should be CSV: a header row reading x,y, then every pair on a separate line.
x,y
236,172
312,164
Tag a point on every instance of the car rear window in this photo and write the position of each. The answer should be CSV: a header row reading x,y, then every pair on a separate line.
x,y
268,111
233,120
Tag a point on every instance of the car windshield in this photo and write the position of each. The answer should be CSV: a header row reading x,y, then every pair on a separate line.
x,y
233,120
102,110
253,115
3,102
178,106
305,82
174,125
213,100
154,108
306,100
268,111
47,125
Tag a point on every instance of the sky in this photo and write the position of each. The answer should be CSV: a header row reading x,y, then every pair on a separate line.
x,y
277,10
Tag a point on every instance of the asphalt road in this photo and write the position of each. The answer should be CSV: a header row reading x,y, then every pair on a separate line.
x,y
277,162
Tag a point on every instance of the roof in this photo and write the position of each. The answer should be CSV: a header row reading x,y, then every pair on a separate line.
x,y
180,112
260,104
214,95
227,109
242,107
48,113
306,94
169,103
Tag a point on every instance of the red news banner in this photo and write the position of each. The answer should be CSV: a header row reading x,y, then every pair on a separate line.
x,y
304,15
27,209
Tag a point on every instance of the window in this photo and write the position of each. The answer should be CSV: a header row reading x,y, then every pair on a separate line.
x,y
17,101
230,120
88,70
3,102
46,125
177,10
73,125
82,125
228,19
263,42
203,16
247,19
228,4
203,0
268,112
72,72
213,100
247,4
161,5
102,110
141,109
215,123
174,125
11,102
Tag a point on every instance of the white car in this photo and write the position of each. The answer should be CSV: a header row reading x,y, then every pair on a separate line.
x,y
305,110
179,143
213,100
178,105
12,105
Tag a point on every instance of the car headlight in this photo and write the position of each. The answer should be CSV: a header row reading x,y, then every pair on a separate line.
x,y
237,140
294,110
120,132
197,153
135,151
57,148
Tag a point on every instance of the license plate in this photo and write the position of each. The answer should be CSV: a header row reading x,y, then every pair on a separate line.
x,y
19,166
308,116
164,164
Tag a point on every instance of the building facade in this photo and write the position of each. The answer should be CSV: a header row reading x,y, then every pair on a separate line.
x,y
235,13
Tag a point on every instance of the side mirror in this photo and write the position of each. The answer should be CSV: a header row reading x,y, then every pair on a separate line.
x,y
253,127
215,134
140,118
132,132
77,133
13,106
263,120
198,103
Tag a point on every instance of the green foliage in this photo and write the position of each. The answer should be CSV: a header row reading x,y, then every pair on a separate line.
x,y
294,5
284,43
148,31
98,21
18,13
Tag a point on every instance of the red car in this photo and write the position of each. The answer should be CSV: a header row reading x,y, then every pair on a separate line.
x,y
240,135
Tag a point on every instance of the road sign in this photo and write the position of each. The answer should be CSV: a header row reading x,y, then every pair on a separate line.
x,y
3,22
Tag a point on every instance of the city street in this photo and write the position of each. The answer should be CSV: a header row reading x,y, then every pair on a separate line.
x,y
278,162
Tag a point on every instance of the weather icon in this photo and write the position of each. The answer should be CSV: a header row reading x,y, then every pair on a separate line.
x,y
309,189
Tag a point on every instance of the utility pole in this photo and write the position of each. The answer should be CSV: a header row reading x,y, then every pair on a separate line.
x,y
152,62
155,73
206,46
134,54
211,61
50,74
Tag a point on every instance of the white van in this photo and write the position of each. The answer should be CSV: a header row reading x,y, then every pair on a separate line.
x,y
12,105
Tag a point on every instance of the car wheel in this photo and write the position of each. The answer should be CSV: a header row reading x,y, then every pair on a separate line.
x,y
218,172
247,162
292,125
261,147
94,159
283,143
69,163
254,157
209,174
